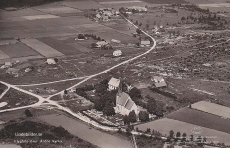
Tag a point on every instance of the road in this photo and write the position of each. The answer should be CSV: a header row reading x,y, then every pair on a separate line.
x,y
54,103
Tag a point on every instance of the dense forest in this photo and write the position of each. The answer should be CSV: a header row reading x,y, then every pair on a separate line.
x,y
22,3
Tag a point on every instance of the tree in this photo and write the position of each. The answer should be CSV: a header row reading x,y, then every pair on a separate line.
x,y
171,134
151,106
99,104
138,31
184,137
56,60
126,120
28,113
135,94
108,110
132,117
93,45
81,36
65,92
143,116
178,134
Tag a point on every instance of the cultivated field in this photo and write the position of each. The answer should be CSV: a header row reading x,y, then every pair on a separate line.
x,y
42,48
17,50
212,108
3,55
56,9
60,46
82,5
200,118
165,125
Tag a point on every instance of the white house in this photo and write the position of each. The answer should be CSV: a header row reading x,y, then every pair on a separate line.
x,y
117,53
159,81
113,83
145,43
51,61
124,104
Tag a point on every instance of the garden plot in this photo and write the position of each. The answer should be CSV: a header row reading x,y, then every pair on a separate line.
x,y
17,50
42,48
82,5
201,119
165,125
212,108
35,17
3,55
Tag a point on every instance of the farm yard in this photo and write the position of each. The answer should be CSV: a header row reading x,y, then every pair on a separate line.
x,y
165,125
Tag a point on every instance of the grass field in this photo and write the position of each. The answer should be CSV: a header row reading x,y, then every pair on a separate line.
x,y
42,48
201,119
17,50
165,125
212,108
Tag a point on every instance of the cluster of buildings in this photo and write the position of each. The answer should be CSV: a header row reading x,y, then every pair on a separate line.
x,y
104,14
135,9
124,104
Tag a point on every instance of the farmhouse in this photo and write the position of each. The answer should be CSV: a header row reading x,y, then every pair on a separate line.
x,y
113,83
117,53
124,104
6,65
13,71
159,81
145,43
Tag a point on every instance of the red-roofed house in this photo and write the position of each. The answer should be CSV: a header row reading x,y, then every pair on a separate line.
x,y
124,104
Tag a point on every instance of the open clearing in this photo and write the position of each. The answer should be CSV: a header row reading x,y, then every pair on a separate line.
x,y
42,48
212,108
200,118
165,125
17,50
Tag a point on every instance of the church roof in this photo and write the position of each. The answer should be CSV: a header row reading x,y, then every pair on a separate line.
x,y
123,99
129,104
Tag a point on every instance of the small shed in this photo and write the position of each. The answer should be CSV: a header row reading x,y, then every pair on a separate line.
x,y
145,43
159,81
